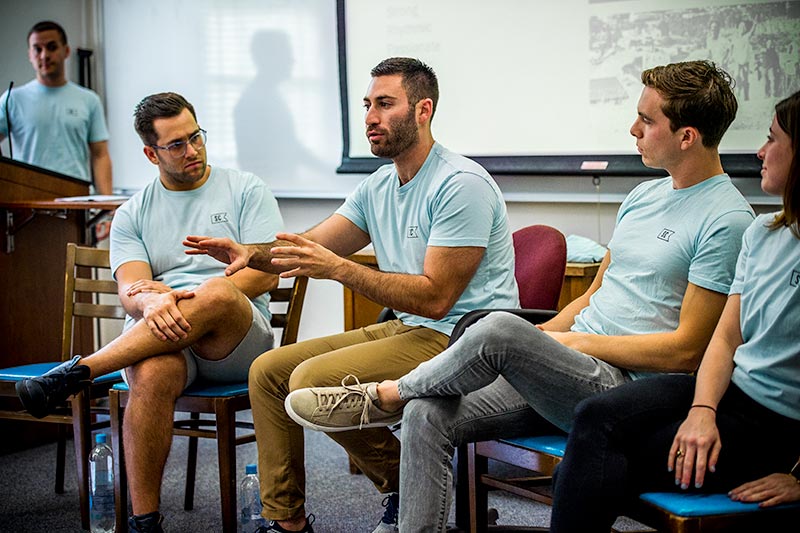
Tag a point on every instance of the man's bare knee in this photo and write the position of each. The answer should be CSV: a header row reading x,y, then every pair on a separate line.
x,y
220,293
162,376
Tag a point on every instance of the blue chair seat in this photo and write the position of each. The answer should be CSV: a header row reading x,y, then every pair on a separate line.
x,y
205,389
551,444
18,373
683,504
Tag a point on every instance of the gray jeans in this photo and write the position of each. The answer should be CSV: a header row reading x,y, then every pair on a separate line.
x,y
503,378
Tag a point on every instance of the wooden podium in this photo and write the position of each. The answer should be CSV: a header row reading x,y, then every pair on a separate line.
x,y
32,263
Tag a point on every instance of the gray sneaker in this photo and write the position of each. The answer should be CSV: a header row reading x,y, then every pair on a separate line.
x,y
333,409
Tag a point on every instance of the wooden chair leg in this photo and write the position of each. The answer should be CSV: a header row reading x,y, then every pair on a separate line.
x,y
117,449
82,436
61,452
191,469
226,451
478,494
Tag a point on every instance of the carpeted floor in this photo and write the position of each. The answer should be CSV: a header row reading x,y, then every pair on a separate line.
x,y
341,502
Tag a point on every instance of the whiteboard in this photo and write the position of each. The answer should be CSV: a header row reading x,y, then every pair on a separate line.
x,y
540,86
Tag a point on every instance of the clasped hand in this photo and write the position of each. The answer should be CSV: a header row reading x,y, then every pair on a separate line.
x,y
160,310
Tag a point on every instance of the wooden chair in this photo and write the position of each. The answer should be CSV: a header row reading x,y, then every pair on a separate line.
x,y
223,401
82,288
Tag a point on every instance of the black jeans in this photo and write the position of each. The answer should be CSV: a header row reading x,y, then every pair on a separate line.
x,y
620,439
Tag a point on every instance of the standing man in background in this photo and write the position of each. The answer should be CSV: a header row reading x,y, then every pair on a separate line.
x,y
54,123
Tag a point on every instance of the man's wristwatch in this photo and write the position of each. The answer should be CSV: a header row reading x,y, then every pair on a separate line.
x,y
795,471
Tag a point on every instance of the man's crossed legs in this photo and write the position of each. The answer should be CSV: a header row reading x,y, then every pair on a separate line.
x,y
227,333
503,378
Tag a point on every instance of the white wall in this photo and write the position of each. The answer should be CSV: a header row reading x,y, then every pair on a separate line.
x,y
573,205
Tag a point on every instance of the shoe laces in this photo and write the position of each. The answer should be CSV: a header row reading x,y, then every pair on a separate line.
x,y
354,396
390,514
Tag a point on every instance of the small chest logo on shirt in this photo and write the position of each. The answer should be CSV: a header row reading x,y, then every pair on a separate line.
x,y
794,280
665,234
413,232
71,111
219,218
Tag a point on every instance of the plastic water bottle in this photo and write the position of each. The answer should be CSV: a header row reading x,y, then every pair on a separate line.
x,y
250,502
101,487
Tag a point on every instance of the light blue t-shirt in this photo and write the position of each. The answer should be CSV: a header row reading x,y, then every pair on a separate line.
x,y
51,127
452,202
768,279
664,239
152,224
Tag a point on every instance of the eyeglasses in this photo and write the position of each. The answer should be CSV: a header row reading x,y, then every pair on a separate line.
x,y
178,149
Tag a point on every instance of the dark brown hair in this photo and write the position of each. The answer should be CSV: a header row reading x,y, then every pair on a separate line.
x,y
47,25
697,94
788,114
160,105
419,80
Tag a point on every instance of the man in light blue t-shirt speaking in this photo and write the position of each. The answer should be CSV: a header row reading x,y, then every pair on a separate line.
x,y
652,307
54,123
186,319
438,224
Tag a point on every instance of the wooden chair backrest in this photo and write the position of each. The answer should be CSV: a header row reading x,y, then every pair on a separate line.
x,y
289,321
82,288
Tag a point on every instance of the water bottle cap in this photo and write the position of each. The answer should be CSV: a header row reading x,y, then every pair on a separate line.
x,y
100,438
250,469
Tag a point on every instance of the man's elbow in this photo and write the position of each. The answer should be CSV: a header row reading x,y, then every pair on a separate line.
x,y
438,308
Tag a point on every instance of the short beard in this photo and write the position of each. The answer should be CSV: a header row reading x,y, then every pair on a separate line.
x,y
403,134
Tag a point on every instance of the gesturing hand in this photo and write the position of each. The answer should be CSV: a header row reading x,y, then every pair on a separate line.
x,y
225,250
306,258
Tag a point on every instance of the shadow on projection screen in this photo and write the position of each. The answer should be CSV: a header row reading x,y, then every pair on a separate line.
x,y
544,87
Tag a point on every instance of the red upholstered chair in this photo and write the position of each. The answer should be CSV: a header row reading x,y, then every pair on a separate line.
x,y
540,262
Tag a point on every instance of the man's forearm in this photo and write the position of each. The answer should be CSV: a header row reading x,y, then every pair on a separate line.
x,y
261,258
655,352
408,293
101,168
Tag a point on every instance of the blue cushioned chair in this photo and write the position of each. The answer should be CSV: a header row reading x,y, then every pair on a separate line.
x,y
221,400
81,290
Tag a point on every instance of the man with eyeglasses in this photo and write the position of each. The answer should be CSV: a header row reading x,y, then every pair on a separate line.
x,y
186,319
54,123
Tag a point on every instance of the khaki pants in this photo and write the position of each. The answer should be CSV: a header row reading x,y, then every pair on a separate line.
x,y
381,351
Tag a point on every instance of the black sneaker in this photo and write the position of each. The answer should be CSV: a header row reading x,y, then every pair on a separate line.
x,y
146,523
41,395
388,523
273,526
